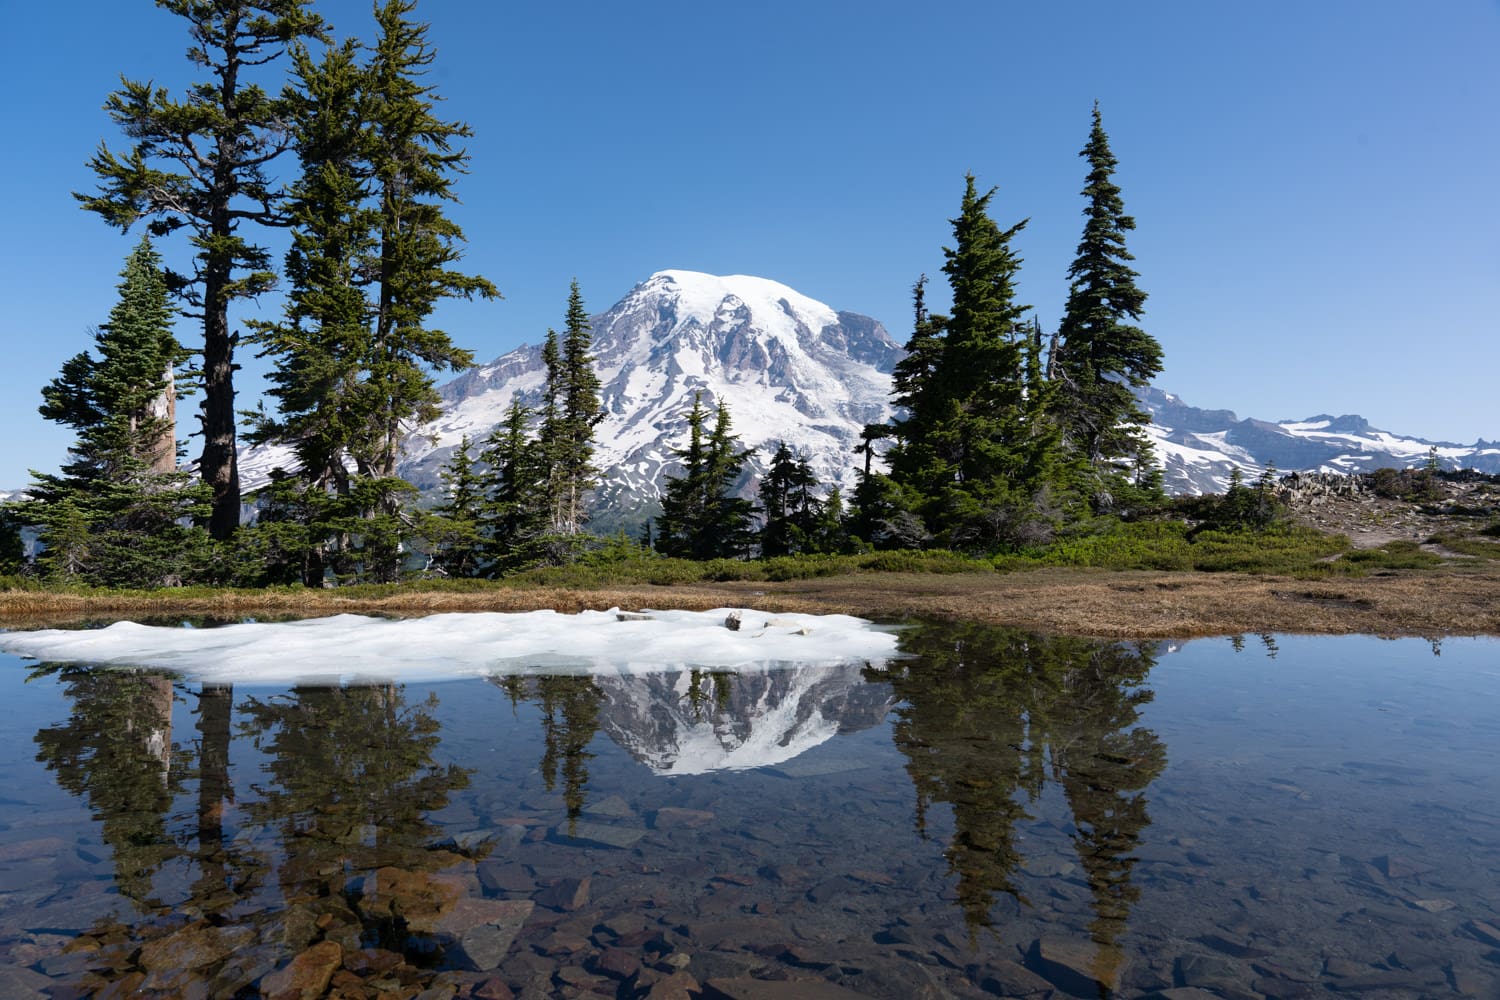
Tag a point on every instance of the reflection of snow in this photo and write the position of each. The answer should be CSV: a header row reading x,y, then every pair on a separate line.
x,y
350,648
737,721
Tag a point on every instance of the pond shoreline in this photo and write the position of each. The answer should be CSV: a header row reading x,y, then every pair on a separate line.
x,y
1093,603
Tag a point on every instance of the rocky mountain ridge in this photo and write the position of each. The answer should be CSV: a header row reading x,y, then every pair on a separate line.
x,y
1198,448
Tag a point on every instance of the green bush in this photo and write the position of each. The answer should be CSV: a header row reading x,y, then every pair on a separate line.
x,y
1393,555
927,561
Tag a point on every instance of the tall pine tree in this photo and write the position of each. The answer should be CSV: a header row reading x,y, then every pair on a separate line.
x,y
455,527
322,341
111,515
701,517
969,455
515,513
792,515
200,164
1102,356
414,162
371,257
580,412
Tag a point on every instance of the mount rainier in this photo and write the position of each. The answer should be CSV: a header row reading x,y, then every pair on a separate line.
x,y
793,369
788,367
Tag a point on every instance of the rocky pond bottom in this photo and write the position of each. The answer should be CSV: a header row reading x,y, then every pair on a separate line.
x,y
1000,814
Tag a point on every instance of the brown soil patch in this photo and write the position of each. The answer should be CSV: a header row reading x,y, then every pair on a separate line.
x,y
1076,602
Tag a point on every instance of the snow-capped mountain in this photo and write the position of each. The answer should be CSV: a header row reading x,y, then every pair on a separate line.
x,y
793,369
676,723
788,367
1199,448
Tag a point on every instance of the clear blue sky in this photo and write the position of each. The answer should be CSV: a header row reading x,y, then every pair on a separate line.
x,y
1315,183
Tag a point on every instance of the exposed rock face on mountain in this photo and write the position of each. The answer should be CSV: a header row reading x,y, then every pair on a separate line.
x,y
683,723
1200,448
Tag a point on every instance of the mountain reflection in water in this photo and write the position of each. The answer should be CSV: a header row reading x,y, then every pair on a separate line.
x,y
993,814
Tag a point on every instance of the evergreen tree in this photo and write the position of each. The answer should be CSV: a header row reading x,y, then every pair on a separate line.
x,y
120,404
370,259
683,498
792,515
514,512
110,516
414,162
827,532
776,533
970,455
200,164
728,531
550,429
1102,356
12,546
321,344
580,412
455,525
701,517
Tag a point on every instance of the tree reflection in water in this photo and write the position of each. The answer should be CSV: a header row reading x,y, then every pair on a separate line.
x,y
340,805
116,752
570,719
323,837
349,782
988,715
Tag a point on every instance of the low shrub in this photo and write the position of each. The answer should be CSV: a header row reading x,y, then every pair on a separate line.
x,y
1393,555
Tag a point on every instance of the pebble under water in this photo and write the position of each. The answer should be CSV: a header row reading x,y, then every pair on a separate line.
x,y
1000,814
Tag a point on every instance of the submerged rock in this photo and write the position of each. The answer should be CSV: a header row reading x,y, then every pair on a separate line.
x,y
482,930
1078,967
599,834
567,895
418,898
306,977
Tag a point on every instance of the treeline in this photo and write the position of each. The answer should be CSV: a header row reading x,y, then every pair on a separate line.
x,y
1005,436
373,252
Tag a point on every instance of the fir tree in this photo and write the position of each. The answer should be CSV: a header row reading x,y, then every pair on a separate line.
x,y
121,403
1102,356
791,512
455,525
200,164
578,389
683,499
413,161
970,455
112,516
727,531
371,257
322,342
514,512
550,429
12,545
701,517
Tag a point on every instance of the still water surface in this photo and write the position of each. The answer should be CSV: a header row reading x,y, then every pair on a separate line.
x,y
1000,814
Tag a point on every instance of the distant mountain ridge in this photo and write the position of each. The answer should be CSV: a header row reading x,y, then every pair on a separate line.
x,y
793,369
1198,448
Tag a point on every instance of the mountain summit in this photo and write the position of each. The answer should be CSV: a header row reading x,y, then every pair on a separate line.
x,y
788,367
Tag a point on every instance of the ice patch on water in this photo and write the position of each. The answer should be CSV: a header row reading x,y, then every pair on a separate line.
x,y
355,648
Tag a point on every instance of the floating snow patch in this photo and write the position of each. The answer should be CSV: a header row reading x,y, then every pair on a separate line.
x,y
355,649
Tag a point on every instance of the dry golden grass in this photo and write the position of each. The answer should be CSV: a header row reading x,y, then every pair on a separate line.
x,y
1076,602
